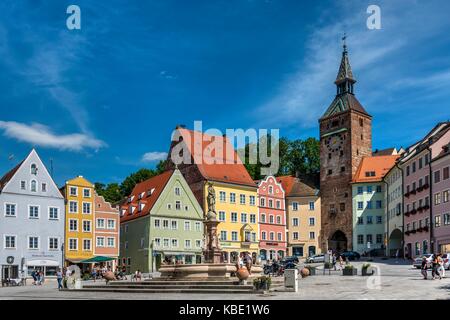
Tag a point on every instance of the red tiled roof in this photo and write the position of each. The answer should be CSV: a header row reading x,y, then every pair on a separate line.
x,y
157,183
294,187
216,158
380,165
8,176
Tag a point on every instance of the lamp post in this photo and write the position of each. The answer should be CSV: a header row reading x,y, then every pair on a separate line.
x,y
62,256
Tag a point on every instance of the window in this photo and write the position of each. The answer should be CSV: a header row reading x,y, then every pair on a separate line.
x,y
294,206
253,218
100,241
126,228
278,219
369,204
270,203
86,226
157,242
407,170
360,239
44,187
86,207
263,235
270,190
100,223
279,236
111,242
222,216
242,198
271,236
252,200
295,222
437,176
369,238
33,169
177,191
378,190
232,197
342,206
166,242
157,223
234,236
446,219
198,226
177,205
187,243
369,219
378,204
311,205
111,224
187,225
379,238
174,224
73,225
420,163
53,213
437,221
445,196
417,248
73,244
437,198
53,243
360,205
33,186
262,202
379,219
73,207
33,243
271,219
174,243
278,204
330,172
360,220
243,217
73,191
33,212
369,189
445,173
360,190
312,221
23,185
295,235
87,244
10,210
312,235
198,243
222,196
223,235
165,224
234,217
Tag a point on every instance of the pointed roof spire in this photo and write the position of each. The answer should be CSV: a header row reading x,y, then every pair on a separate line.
x,y
345,70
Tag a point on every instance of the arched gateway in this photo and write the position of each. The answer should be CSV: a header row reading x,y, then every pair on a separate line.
x,y
337,242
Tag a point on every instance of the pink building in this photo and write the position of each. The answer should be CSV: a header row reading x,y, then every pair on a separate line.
x,y
440,167
418,190
272,219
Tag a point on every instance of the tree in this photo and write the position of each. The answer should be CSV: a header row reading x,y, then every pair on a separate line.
x,y
133,179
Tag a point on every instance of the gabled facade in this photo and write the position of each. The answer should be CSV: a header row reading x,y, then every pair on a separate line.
x,y
212,159
31,220
272,220
161,222
393,212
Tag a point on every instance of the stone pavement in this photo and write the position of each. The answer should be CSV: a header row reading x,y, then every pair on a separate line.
x,y
398,280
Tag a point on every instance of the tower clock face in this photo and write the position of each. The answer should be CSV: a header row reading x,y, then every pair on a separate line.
x,y
334,143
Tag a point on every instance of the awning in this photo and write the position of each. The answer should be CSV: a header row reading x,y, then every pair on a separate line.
x,y
97,259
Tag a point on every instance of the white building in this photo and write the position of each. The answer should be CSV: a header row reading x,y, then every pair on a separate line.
x,y
31,220
394,212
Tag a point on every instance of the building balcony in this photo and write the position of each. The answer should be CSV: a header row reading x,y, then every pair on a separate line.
x,y
407,194
426,186
407,214
413,211
413,191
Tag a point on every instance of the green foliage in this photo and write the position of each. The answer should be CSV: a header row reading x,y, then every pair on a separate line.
x,y
366,265
263,282
348,266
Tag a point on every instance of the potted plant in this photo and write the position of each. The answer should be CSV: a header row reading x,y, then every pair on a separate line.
x,y
365,269
262,283
328,265
349,270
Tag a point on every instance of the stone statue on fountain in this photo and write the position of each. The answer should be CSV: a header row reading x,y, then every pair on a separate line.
x,y
213,253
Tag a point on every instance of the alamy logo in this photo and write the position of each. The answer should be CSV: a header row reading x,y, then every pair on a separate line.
x,y
74,20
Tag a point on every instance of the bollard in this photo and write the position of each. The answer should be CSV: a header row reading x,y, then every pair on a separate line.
x,y
291,279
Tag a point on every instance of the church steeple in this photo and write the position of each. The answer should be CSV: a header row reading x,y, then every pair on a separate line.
x,y
344,80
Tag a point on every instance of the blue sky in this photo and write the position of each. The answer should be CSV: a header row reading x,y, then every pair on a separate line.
x,y
97,100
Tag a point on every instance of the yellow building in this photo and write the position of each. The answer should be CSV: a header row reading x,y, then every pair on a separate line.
x,y
237,211
79,234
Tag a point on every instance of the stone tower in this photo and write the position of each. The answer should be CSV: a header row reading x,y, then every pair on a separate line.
x,y
345,138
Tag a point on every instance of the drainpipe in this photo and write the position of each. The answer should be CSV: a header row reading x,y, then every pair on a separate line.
x,y
387,217
431,200
403,210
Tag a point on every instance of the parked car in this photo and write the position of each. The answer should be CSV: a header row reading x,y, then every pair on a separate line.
x,y
351,255
316,258
293,259
418,261
446,258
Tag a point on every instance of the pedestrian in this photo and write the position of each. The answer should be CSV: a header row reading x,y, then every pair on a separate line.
x,y
440,266
34,276
334,261
41,278
94,273
397,253
423,268
435,264
341,262
59,277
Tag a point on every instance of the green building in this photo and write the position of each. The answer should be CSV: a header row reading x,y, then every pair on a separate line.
x,y
161,222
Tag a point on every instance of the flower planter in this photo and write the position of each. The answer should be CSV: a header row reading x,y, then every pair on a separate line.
x,y
367,271
349,272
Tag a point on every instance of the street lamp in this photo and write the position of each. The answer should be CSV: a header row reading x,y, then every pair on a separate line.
x,y
62,255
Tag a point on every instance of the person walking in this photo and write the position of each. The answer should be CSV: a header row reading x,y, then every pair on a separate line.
x,y
341,262
34,276
423,268
59,277
334,261
440,266
435,271
94,273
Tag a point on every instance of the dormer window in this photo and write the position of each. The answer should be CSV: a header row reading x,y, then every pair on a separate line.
x,y
34,169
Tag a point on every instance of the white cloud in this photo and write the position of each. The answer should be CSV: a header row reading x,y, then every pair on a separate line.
x,y
41,135
154,156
